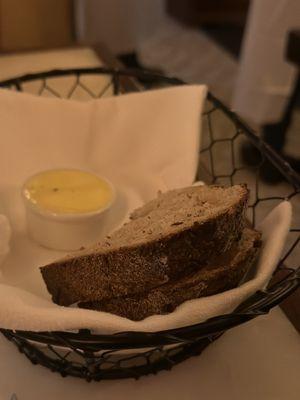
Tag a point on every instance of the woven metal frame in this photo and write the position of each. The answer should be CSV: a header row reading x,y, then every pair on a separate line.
x,y
133,354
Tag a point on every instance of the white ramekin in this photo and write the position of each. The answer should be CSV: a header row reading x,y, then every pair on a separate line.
x,y
65,231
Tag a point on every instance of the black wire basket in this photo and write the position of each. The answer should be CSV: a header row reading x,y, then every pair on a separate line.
x,y
133,354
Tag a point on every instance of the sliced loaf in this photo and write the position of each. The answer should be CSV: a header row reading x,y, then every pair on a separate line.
x,y
179,230
225,273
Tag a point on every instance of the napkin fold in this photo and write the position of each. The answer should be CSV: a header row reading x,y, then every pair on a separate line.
x,y
143,143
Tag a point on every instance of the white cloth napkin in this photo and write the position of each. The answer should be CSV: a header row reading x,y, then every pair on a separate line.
x,y
143,143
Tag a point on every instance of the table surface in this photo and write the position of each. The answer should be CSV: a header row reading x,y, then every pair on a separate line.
x,y
259,360
12,65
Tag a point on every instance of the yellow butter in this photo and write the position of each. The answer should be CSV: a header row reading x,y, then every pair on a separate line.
x,y
68,191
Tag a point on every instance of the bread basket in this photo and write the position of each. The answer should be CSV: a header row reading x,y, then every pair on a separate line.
x,y
134,354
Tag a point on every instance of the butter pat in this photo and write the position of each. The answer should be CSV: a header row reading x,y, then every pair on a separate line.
x,y
65,208
68,191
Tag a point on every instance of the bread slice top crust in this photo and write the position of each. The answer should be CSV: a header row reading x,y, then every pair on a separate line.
x,y
171,212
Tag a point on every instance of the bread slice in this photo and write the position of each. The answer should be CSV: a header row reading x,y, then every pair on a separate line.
x,y
225,273
168,236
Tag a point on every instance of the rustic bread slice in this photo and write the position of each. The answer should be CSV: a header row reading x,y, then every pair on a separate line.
x,y
178,230
225,273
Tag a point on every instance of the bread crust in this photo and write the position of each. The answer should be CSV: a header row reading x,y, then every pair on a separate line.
x,y
221,275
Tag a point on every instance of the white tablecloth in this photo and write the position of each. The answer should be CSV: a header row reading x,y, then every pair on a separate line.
x,y
259,360
12,65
